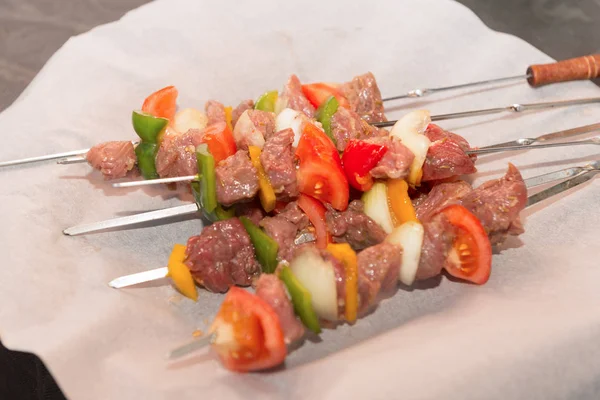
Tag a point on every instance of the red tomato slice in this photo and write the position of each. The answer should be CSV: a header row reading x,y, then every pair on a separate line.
x,y
162,103
320,172
317,93
471,255
358,160
219,139
249,333
315,211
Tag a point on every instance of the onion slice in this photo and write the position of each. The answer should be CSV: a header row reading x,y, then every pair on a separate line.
x,y
409,235
376,206
295,120
410,130
318,277
189,118
245,132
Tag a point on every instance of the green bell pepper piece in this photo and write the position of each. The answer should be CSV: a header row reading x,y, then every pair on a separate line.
x,y
301,299
208,180
147,126
265,247
267,101
146,156
325,113
219,214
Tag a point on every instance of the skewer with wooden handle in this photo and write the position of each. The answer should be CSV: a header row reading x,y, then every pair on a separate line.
x,y
580,68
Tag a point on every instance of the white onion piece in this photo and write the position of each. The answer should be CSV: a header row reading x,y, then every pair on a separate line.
x,y
318,277
189,118
293,119
245,133
376,206
409,129
409,235
280,104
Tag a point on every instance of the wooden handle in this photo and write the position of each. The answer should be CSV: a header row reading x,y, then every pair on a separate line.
x,y
580,68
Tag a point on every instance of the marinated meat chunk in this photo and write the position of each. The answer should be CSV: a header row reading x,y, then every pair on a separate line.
x,y
252,210
396,161
354,227
272,290
378,269
284,228
346,125
446,156
237,179
365,98
437,243
215,112
113,159
294,98
222,256
176,155
497,204
277,159
439,197
239,110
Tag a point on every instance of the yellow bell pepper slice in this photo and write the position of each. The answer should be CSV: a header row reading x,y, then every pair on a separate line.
x,y
344,253
267,194
180,274
228,118
399,202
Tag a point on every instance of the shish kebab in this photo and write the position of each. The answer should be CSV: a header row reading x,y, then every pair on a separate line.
x,y
580,68
519,144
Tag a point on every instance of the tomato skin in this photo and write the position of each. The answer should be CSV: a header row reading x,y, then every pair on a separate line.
x,y
162,103
320,173
358,160
317,93
219,139
471,257
315,211
256,328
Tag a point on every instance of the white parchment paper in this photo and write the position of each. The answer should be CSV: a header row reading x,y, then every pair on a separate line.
x,y
532,332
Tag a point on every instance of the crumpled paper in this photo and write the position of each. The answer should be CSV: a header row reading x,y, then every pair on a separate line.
x,y
532,332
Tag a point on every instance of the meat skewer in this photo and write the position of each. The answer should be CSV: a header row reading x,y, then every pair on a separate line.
x,y
580,68
281,308
588,170
191,209
513,108
516,108
362,96
478,151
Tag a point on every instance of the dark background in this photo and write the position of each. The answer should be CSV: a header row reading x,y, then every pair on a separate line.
x,y
32,30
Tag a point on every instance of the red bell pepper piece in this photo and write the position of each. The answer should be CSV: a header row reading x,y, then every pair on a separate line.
x,y
219,139
359,159
315,211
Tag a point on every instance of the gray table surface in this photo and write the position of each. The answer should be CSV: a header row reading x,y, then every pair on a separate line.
x,y
32,30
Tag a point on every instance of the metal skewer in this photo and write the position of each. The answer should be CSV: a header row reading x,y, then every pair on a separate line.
x,y
425,92
567,133
514,108
527,146
81,152
580,68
